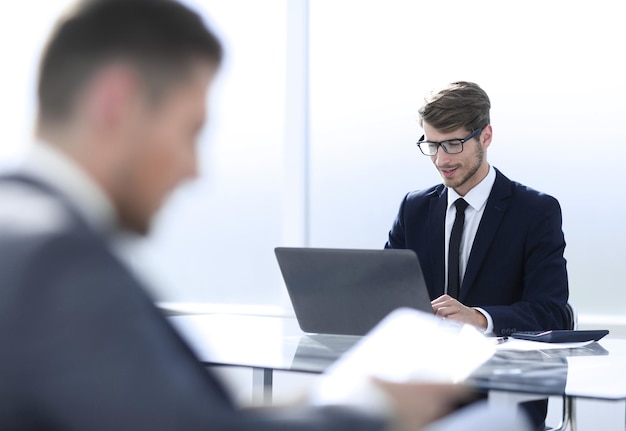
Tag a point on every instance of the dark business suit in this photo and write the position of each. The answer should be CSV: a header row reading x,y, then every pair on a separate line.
x,y
82,347
516,270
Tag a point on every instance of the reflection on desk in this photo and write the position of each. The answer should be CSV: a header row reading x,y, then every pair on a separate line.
x,y
558,371
318,351
270,342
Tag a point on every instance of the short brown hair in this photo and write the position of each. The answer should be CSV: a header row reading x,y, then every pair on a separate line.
x,y
459,104
160,38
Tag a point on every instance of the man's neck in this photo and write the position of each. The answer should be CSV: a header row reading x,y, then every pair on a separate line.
x,y
476,179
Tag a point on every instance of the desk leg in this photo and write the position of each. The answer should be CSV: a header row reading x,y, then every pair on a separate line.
x,y
262,381
571,411
498,399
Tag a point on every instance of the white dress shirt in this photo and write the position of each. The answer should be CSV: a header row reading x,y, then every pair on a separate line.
x,y
477,200
52,167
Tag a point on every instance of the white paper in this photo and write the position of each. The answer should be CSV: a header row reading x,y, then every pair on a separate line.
x,y
408,345
529,345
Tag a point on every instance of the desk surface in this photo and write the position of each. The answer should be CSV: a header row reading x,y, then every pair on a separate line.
x,y
597,370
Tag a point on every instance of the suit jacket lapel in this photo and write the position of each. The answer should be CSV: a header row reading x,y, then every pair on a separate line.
x,y
495,209
436,240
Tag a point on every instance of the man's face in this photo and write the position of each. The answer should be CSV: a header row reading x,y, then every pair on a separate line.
x,y
466,169
162,150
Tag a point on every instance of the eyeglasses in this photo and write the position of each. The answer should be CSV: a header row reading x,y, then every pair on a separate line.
x,y
451,146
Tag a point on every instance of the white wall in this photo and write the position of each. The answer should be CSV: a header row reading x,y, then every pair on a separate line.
x,y
217,236
215,240
553,71
23,32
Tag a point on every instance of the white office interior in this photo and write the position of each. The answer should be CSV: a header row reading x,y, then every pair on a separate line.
x,y
312,128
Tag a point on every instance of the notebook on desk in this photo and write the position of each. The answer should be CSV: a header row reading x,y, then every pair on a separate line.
x,y
348,291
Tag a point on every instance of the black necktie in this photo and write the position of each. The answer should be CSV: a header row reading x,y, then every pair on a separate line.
x,y
454,276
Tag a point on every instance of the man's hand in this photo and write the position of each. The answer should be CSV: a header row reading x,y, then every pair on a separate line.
x,y
447,307
418,404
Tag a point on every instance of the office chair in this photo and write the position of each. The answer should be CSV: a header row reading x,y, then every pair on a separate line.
x,y
568,417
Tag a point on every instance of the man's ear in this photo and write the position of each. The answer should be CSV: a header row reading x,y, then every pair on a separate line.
x,y
486,136
111,97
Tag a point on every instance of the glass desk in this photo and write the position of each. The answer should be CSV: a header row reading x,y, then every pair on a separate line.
x,y
266,344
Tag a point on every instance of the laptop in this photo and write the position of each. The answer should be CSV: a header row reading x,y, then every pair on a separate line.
x,y
348,291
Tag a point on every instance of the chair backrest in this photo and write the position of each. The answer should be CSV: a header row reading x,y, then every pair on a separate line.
x,y
573,316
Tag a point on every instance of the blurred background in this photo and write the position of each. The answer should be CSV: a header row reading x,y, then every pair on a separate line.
x,y
312,129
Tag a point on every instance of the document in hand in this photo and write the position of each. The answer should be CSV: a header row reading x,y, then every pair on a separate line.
x,y
407,345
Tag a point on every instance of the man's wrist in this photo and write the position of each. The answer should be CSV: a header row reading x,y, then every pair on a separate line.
x,y
488,327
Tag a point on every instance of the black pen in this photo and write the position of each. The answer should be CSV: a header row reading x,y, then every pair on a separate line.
x,y
500,340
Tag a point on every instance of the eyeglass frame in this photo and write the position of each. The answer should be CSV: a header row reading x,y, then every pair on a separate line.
x,y
443,144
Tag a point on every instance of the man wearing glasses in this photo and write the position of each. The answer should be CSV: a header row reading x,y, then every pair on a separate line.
x,y
491,249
